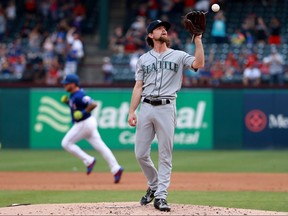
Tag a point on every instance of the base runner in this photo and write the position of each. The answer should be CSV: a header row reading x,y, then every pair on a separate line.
x,y
85,127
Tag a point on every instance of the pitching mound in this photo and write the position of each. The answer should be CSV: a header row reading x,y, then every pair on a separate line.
x,y
125,208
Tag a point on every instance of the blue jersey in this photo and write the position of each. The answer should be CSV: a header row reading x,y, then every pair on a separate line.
x,y
79,101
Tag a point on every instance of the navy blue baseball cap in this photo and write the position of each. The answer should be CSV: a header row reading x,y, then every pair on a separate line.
x,y
156,23
70,78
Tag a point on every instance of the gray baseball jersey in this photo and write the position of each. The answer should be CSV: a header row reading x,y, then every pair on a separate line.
x,y
162,78
162,73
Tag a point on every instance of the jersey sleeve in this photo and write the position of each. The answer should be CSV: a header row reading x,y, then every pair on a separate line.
x,y
87,99
188,61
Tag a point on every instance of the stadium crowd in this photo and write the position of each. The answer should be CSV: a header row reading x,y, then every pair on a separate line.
x,y
248,53
40,42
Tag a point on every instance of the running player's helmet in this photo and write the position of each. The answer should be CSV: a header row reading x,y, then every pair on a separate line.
x,y
70,78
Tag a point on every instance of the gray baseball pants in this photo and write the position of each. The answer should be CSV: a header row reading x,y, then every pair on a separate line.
x,y
160,121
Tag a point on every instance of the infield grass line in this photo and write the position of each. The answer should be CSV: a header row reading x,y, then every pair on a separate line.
x,y
269,201
265,161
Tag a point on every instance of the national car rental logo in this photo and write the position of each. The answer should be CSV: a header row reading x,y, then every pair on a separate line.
x,y
256,120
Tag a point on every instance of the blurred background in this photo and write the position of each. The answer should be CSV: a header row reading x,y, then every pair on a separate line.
x,y
239,100
42,40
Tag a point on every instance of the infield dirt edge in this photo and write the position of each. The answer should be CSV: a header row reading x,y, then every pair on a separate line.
x,y
126,208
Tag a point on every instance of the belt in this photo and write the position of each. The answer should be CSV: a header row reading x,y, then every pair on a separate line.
x,y
157,102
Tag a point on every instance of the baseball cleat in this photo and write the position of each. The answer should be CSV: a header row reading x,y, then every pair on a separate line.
x,y
91,166
162,205
118,175
149,196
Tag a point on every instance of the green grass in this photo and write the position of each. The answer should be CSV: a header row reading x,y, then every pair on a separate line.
x,y
183,161
248,200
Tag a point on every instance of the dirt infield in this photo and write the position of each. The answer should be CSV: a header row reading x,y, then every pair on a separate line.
x,y
136,181
126,208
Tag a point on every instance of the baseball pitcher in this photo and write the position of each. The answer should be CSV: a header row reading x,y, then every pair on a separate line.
x,y
158,79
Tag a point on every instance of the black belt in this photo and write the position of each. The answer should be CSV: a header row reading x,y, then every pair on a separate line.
x,y
156,102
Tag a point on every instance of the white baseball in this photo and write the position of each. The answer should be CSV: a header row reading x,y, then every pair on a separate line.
x,y
215,7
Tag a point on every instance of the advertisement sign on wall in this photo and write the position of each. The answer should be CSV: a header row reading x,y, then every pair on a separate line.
x,y
50,119
266,120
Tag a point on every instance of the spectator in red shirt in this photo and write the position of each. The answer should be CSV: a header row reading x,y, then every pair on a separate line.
x,y
217,72
231,66
79,13
275,31
130,46
153,9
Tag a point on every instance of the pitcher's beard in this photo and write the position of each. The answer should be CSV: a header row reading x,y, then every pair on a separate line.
x,y
164,40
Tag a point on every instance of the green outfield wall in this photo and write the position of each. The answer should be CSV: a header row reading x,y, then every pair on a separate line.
x,y
50,118
14,118
206,118
228,115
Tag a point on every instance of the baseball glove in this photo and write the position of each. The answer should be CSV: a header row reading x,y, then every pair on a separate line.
x,y
195,22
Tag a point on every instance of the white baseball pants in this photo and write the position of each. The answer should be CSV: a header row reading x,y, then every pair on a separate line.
x,y
87,129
